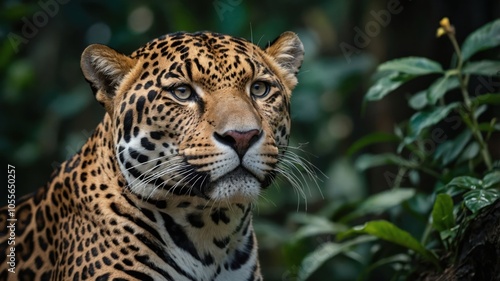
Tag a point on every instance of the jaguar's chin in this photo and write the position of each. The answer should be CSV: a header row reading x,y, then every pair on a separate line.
x,y
238,185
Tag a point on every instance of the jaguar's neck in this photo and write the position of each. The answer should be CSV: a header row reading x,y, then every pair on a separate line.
x,y
96,162
209,232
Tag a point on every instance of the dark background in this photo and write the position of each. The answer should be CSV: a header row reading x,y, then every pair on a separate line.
x,y
47,110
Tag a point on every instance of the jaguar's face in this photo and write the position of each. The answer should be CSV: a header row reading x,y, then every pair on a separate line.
x,y
198,114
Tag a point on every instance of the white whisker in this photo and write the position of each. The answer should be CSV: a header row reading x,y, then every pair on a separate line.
x,y
298,172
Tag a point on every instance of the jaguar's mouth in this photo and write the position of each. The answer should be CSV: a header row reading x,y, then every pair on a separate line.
x,y
241,170
237,185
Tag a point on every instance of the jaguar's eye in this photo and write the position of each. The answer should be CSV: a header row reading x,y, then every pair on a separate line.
x,y
259,89
182,92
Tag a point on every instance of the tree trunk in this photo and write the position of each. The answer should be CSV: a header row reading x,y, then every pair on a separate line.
x,y
478,250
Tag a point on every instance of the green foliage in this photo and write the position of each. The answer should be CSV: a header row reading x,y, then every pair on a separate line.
x,y
482,39
389,232
387,84
426,118
371,139
325,252
411,65
442,213
380,202
477,193
443,141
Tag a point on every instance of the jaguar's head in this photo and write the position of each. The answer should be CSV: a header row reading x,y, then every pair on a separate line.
x,y
199,114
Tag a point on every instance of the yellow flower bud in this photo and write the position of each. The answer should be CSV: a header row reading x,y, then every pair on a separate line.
x,y
446,28
440,32
445,23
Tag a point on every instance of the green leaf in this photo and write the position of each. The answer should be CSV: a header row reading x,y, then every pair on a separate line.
x,y
488,127
449,235
385,85
466,183
477,199
440,87
470,152
389,232
367,161
326,251
486,37
396,259
314,225
419,100
412,65
424,119
311,230
484,67
450,150
493,99
371,139
460,185
381,201
442,213
414,177
398,131
491,180
480,110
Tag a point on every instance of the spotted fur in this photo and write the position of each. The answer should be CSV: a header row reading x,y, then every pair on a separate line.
x,y
194,128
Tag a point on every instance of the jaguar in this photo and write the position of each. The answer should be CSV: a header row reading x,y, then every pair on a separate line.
x,y
196,126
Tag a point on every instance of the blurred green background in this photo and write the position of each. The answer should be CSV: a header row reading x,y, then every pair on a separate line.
x,y
47,110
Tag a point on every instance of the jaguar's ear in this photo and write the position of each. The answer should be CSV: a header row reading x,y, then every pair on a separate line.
x,y
105,68
288,52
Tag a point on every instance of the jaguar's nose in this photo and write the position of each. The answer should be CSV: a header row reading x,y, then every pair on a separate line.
x,y
239,141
